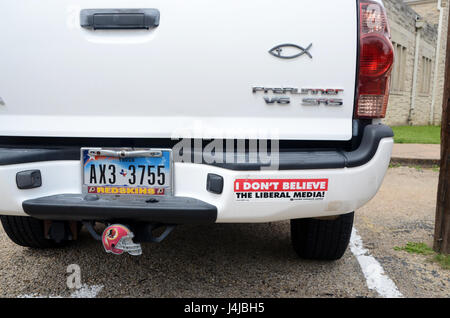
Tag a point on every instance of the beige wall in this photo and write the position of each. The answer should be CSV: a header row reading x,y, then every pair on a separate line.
x,y
402,20
429,10
426,8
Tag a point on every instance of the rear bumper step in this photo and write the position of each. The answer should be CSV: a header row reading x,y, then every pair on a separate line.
x,y
167,210
288,159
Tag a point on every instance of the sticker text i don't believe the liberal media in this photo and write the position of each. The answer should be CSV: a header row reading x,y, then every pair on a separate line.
x,y
280,189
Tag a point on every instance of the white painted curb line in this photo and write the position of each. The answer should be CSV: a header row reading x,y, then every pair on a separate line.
x,y
376,278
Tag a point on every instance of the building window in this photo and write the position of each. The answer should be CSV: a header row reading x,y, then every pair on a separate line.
x,y
425,76
398,72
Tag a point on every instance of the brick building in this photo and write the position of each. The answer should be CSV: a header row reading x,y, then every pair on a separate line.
x,y
419,35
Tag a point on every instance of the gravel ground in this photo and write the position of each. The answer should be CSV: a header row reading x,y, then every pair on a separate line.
x,y
404,211
253,260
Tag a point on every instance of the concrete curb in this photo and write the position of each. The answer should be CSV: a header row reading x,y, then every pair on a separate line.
x,y
426,155
415,162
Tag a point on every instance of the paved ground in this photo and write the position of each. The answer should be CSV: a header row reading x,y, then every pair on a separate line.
x,y
246,260
416,154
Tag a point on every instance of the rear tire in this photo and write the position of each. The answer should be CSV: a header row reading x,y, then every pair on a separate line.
x,y
28,232
322,239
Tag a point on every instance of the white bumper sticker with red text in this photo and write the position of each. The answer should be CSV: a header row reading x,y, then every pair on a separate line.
x,y
280,189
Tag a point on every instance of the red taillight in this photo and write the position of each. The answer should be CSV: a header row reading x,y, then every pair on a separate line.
x,y
376,56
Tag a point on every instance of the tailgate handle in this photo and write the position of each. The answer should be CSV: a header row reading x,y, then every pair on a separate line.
x,y
119,19
125,153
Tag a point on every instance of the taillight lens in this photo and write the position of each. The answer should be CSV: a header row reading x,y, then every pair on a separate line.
x,y
376,56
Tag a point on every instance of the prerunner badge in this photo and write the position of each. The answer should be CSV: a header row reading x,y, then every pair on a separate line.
x,y
280,189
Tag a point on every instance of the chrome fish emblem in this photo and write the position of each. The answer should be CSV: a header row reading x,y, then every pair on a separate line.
x,y
277,51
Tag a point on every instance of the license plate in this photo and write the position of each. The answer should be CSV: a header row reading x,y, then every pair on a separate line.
x,y
126,172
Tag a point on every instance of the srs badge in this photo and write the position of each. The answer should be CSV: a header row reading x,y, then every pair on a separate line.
x,y
282,95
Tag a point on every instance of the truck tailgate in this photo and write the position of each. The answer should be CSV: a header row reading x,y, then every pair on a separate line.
x,y
192,76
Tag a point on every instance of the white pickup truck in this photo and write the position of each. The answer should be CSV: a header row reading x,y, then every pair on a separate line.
x,y
145,114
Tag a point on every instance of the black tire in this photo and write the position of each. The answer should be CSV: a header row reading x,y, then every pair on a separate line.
x,y
28,232
322,239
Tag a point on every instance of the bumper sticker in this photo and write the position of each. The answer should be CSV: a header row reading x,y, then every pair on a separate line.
x,y
280,189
